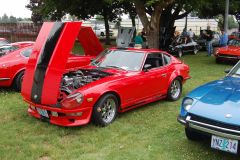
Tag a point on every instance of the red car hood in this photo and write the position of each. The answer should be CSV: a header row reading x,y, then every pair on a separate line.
x,y
231,50
49,57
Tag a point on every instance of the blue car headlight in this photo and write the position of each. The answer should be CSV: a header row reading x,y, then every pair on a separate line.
x,y
187,103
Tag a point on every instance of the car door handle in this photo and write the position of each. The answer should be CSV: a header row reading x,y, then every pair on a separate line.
x,y
164,75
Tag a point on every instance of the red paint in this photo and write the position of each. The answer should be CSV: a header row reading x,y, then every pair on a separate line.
x,y
14,63
134,88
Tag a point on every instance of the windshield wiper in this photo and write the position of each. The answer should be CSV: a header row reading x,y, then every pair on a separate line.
x,y
115,67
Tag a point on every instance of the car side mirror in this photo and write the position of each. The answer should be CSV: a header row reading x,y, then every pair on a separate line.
x,y
146,67
227,71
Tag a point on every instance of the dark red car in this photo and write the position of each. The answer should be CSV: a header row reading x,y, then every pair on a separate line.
x,y
118,80
13,64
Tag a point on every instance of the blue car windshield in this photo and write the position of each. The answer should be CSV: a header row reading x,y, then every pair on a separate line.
x,y
120,59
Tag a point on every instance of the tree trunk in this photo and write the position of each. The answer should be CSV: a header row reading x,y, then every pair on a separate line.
x,y
105,17
133,23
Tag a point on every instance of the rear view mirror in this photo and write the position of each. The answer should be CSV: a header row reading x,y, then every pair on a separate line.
x,y
227,71
146,67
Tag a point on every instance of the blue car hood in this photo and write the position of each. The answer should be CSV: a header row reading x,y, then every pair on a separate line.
x,y
217,99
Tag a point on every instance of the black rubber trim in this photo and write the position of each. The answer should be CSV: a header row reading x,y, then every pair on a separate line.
x,y
43,61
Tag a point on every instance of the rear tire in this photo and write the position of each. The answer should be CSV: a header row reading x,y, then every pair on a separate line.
x,y
18,81
192,135
102,34
105,110
175,90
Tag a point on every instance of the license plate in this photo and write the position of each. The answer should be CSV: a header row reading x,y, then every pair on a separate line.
x,y
42,112
224,144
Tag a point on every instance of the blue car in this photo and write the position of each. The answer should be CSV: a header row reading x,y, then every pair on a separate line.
x,y
213,109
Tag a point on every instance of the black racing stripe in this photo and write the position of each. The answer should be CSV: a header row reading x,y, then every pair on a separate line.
x,y
43,61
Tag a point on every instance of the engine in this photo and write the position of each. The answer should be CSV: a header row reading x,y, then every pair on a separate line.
x,y
76,79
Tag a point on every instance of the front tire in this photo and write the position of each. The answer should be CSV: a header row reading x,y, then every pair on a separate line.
x,y
18,81
192,135
180,53
175,90
105,110
102,34
195,50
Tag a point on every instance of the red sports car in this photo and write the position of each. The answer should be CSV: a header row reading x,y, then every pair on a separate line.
x,y
13,64
118,80
229,53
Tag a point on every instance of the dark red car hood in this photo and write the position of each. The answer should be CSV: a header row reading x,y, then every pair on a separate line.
x,y
48,60
231,50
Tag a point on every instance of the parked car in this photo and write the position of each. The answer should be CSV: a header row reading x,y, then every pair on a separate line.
x,y
234,35
229,53
101,31
183,44
13,64
7,48
202,40
3,41
213,110
116,81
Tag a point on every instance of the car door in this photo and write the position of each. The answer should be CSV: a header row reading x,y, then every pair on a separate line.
x,y
155,78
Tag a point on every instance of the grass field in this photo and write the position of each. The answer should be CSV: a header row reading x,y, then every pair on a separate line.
x,y
150,132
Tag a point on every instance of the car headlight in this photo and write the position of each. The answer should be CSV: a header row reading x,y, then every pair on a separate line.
x,y
77,96
187,103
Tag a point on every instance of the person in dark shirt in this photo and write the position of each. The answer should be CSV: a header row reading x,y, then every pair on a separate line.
x,y
143,35
208,34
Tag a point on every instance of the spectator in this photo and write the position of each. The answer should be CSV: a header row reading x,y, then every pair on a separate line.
x,y
191,33
138,40
208,35
143,35
223,39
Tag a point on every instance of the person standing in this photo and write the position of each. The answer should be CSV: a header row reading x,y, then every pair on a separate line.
x,y
143,35
190,33
208,34
223,39
138,40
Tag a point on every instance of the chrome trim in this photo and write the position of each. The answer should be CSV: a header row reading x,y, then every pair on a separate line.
x,y
230,136
212,126
4,79
195,125
181,120
228,57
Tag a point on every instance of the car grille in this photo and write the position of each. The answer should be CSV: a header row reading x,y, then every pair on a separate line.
x,y
214,123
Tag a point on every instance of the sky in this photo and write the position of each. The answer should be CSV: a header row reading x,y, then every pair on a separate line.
x,y
15,8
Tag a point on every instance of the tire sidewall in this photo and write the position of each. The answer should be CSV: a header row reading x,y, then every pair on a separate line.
x,y
96,115
169,95
18,81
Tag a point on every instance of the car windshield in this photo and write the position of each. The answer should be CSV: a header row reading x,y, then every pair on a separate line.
x,y
234,42
120,59
6,49
235,72
3,42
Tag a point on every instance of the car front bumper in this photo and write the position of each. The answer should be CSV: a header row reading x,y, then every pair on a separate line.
x,y
60,116
209,128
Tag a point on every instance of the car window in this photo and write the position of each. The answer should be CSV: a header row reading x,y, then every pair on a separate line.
x,y
155,60
167,59
26,52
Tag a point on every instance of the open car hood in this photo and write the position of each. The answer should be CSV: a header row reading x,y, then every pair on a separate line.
x,y
49,57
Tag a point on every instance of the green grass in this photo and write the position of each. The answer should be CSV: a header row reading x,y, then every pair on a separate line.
x,y
150,132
